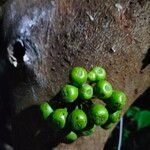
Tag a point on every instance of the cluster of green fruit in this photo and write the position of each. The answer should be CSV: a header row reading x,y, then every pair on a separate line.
x,y
85,115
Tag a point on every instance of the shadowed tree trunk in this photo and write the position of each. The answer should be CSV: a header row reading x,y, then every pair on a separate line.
x,y
44,39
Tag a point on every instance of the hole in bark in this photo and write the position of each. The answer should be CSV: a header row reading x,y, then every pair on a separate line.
x,y
2,2
19,51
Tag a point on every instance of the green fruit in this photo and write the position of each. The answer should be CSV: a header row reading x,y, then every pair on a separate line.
x,y
117,100
58,118
86,92
78,119
100,73
99,114
114,117
45,110
103,89
89,131
107,125
71,137
78,76
69,93
91,76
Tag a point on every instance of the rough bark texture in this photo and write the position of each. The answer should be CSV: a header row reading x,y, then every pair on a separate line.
x,y
56,35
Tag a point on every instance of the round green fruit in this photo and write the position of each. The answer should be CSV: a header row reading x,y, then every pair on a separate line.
x,y
114,117
89,131
100,73
107,125
69,93
78,119
103,89
71,137
98,114
91,76
117,100
78,76
58,118
86,92
45,110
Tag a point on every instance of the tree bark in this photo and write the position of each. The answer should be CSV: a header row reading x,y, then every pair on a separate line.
x,y
53,36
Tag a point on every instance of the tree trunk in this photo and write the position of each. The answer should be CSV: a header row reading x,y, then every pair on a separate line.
x,y
45,39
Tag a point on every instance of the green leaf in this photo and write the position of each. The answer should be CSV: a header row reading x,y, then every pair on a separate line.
x,y
132,111
143,119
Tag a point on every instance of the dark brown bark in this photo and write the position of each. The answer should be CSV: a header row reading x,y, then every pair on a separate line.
x,y
54,36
